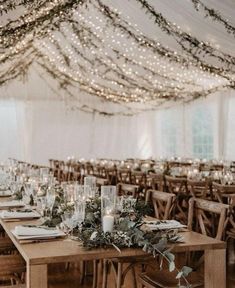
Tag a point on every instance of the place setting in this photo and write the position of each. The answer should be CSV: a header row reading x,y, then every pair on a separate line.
x,y
36,233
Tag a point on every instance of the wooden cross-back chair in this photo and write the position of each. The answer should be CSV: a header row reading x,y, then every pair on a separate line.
x,y
12,265
200,189
139,178
127,189
124,175
197,211
12,269
156,181
111,174
207,217
162,202
178,186
226,194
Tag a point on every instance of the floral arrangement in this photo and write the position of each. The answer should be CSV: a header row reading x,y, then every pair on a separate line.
x,y
128,232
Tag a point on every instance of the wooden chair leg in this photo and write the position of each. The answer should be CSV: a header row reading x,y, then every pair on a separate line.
x,y
105,273
134,277
82,272
95,273
119,275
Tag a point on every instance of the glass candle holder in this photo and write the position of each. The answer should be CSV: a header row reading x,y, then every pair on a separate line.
x,y
108,199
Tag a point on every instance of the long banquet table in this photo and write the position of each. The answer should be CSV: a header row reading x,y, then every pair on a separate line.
x,y
39,255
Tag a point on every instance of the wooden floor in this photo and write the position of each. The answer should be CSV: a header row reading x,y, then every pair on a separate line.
x,y
62,278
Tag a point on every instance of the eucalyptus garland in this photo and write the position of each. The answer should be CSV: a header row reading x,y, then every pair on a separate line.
x,y
215,15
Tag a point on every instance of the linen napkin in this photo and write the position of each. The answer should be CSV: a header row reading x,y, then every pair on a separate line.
x,y
19,214
164,225
5,193
21,230
10,204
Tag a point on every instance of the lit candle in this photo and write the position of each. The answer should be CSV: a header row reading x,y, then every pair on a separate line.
x,y
108,221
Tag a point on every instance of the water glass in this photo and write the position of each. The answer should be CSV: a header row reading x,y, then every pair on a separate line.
x,y
108,199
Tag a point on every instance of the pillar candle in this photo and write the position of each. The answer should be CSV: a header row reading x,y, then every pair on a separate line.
x,y
108,221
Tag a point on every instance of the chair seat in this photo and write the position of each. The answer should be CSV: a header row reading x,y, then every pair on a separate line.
x,y
166,279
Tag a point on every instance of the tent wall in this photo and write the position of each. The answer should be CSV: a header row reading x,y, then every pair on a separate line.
x,y
38,130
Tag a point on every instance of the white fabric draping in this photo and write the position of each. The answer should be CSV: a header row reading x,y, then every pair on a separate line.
x,y
37,130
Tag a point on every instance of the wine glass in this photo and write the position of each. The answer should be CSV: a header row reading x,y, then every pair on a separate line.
x,y
27,192
91,182
42,205
50,199
79,213
79,193
69,222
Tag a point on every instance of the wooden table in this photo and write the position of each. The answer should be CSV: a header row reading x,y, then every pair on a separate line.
x,y
38,255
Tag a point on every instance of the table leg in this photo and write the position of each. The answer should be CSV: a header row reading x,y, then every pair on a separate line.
x,y
36,276
215,268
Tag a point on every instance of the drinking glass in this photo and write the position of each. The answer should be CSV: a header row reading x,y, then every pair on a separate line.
x,y
79,213
42,206
108,199
27,193
79,193
69,222
50,199
91,182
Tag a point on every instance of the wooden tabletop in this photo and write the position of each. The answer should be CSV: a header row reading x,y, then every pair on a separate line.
x,y
69,250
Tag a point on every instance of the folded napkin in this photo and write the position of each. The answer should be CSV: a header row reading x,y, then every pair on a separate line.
x,y
13,203
35,231
164,225
5,193
18,214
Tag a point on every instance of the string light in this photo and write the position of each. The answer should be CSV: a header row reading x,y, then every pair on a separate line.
x,y
107,55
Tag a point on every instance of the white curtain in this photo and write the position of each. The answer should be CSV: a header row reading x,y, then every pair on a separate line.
x,y
38,130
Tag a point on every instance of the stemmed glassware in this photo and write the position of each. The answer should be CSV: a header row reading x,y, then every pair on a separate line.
x,y
27,193
90,181
68,222
50,199
79,213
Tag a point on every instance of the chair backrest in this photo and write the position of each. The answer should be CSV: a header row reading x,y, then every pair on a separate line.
x,y
176,184
127,189
221,191
199,189
138,178
207,217
124,175
156,181
162,202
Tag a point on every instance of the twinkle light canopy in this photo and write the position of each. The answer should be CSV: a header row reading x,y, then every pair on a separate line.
x,y
124,52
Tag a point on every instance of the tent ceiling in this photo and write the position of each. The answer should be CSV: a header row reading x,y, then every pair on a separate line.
x,y
114,51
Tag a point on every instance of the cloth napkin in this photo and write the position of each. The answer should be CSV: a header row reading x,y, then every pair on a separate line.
x,y
164,225
35,231
17,214
5,193
13,203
